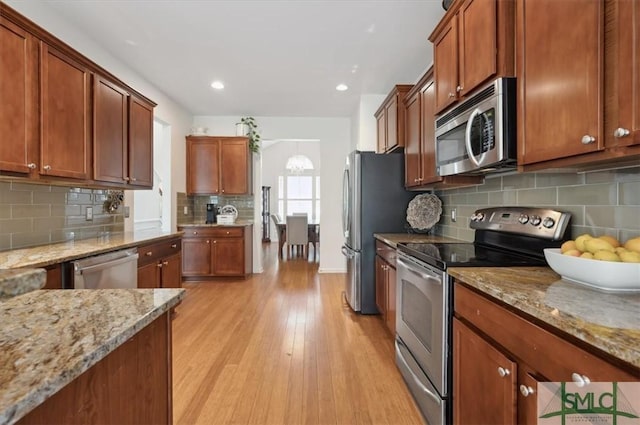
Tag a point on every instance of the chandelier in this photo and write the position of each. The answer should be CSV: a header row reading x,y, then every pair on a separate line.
x,y
298,164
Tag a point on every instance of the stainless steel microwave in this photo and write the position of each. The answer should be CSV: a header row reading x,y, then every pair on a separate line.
x,y
479,135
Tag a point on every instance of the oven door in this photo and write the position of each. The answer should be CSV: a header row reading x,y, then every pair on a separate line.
x,y
422,317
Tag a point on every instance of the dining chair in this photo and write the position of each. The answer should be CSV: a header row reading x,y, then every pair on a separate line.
x,y
314,239
297,234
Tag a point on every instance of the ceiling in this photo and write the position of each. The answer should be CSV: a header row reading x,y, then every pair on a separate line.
x,y
275,58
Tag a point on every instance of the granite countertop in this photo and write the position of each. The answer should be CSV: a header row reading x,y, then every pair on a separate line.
x,y
42,256
609,322
238,223
20,281
393,239
50,337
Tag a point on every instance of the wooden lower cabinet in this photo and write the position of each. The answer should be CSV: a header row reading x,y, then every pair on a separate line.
x,y
131,385
218,251
385,265
54,277
160,264
499,357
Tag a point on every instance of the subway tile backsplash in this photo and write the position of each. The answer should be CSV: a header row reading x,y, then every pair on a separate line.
x,y
601,203
197,206
32,214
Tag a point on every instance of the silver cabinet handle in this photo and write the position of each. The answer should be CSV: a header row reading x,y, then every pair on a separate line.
x,y
47,167
133,179
621,132
526,390
451,94
580,380
587,140
165,263
503,372
159,265
149,254
31,166
125,179
459,89
174,245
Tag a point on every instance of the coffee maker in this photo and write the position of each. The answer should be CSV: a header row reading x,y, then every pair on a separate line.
x,y
212,212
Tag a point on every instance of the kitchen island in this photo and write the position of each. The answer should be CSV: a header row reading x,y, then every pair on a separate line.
x,y
84,356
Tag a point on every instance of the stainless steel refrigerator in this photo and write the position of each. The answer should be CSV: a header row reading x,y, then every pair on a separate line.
x,y
374,200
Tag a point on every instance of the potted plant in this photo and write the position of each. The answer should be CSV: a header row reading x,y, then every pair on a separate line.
x,y
248,127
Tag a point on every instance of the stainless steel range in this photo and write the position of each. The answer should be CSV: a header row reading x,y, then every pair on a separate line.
x,y
505,236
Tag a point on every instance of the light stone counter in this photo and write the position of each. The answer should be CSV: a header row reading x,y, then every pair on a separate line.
x,y
20,281
50,337
393,239
609,322
238,223
45,255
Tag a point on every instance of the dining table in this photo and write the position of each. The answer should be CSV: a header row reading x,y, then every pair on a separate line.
x,y
313,229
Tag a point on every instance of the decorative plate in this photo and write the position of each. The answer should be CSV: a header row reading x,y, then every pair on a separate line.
x,y
424,211
229,209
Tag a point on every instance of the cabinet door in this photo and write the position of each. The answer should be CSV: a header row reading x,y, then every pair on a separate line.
x,y
171,272
228,257
203,166
381,125
428,139
19,94
140,166
196,257
528,395
478,44
54,277
109,132
391,300
234,161
412,154
65,118
393,122
484,380
445,62
560,88
381,284
149,275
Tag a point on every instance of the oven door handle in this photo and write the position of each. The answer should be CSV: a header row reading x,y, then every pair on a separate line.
x,y
415,378
467,138
424,276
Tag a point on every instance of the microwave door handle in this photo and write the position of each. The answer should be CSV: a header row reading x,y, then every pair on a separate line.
x,y
467,138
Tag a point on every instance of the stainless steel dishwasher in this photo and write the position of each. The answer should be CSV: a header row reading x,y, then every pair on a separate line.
x,y
118,269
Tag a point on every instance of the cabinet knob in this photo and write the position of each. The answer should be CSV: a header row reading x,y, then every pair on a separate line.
x,y
174,245
31,166
503,372
526,390
195,233
159,265
125,179
208,241
580,380
621,132
149,253
47,167
222,190
215,241
587,140
451,94
165,263
133,179
459,89
416,180
227,232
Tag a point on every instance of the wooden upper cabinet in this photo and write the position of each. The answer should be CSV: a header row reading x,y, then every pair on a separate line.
x,y
622,57
420,148
472,44
218,165
19,105
391,120
140,153
65,115
109,131
234,165
203,164
557,119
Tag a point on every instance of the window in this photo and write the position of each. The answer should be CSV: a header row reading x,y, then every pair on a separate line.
x,y
299,193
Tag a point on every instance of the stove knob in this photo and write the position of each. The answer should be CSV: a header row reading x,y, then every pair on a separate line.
x,y
535,220
480,216
523,219
548,222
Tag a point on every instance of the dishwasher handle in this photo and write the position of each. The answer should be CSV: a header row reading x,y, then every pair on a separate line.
x,y
102,262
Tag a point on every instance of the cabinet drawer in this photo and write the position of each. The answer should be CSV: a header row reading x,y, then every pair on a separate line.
x,y
388,253
214,232
154,251
549,354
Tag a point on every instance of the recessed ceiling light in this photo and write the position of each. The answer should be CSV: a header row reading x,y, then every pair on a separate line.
x,y
342,87
217,85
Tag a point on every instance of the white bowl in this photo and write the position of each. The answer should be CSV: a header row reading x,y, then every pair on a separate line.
x,y
604,275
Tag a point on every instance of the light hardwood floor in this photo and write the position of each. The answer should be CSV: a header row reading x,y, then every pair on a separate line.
x,y
282,347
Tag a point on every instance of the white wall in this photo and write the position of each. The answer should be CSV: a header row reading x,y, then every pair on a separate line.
x,y
363,124
335,144
167,110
